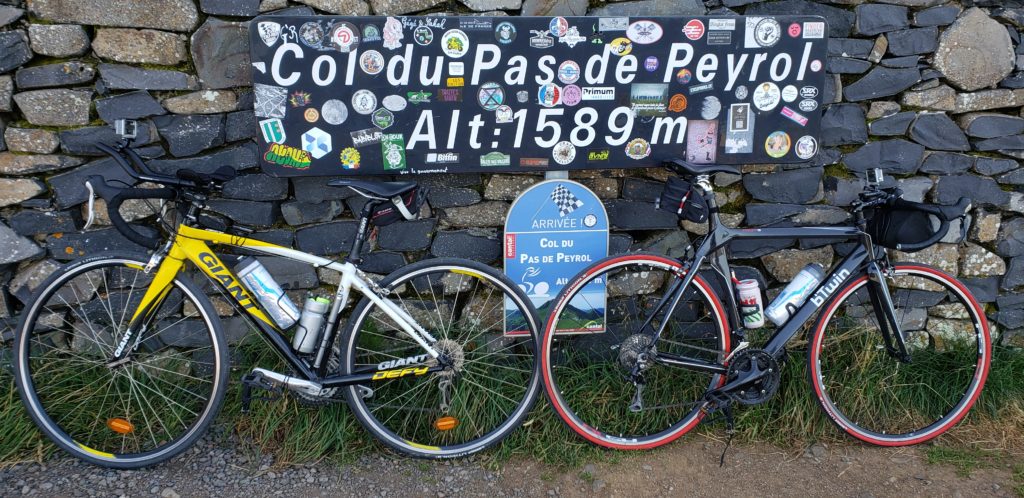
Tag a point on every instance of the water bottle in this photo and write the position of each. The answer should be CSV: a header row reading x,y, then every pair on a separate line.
x,y
794,295
264,288
307,334
751,306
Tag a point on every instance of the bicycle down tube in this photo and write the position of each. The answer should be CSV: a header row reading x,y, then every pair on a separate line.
x,y
190,244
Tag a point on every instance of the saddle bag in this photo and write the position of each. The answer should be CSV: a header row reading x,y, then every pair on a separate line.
x,y
896,228
400,207
684,199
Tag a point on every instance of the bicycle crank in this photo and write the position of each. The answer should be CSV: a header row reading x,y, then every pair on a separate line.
x,y
753,376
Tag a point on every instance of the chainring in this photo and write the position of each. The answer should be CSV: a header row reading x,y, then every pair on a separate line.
x,y
752,361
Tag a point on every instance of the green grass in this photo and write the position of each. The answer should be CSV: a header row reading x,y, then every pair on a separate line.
x,y
293,433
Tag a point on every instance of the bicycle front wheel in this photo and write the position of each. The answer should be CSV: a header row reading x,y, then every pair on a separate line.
x,y
132,413
596,334
872,395
486,328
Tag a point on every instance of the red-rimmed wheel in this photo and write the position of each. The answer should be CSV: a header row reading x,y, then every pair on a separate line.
x,y
595,337
872,395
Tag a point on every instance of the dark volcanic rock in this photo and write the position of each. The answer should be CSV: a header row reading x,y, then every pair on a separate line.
x,y
843,124
241,158
259,214
881,82
941,15
220,51
797,186
14,50
247,8
1010,242
980,190
130,105
850,47
31,222
946,163
466,244
257,187
445,197
893,125
123,77
82,141
991,125
840,21
873,19
846,65
913,41
73,245
937,131
49,75
989,166
407,235
329,238
187,135
893,156
1014,142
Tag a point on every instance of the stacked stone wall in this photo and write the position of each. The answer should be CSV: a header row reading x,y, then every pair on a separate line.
x,y
930,91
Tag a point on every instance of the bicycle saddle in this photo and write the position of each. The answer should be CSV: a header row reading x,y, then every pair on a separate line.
x,y
223,174
690,169
379,189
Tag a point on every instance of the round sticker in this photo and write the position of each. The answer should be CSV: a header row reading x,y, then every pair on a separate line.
x,y
789,93
767,32
571,95
372,62
345,36
503,114
638,148
777,144
564,152
677,103
569,72
311,115
644,32
794,30
816,65
311,34
809,92
558,26
423,35
349,158
741,92
549,95
694,29
766,96
522,96
394,103
808,105
710,108
684,76
490,96
505,33
621,46
364,101
455,43
651,63
806,147
589,220
334,112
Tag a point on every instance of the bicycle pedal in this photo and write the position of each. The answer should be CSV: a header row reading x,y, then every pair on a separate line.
x,y
256,380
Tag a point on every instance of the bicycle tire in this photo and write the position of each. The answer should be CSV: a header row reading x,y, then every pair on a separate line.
x,y
489,399
571,384
167,363
935,390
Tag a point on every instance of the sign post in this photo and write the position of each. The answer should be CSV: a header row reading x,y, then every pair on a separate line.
x,y
554,230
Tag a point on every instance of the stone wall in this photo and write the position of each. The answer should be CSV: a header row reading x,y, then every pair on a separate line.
x,y
928,90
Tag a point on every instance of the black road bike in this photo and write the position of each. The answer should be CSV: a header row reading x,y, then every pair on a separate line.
x,y
898,354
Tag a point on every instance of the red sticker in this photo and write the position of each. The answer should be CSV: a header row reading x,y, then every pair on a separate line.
x,y
510,245
694,29
794,29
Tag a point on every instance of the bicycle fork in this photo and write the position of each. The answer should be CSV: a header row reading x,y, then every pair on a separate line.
x,y
885,313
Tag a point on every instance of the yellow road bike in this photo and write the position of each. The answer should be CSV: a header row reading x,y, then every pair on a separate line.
x,y
122,360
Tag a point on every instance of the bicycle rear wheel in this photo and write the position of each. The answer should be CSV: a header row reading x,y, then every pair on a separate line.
x,y
134,413
587,374
872,395
467,307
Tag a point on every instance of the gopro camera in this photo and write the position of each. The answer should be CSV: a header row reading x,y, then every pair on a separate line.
x,y
125,128
875,177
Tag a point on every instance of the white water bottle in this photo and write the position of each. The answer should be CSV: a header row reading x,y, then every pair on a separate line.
x,y
751,306
794,295
255,277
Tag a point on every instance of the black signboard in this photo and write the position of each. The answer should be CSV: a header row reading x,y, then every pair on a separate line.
x,y
392,95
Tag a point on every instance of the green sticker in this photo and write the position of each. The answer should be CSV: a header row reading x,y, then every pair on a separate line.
x,y
495,159
392,148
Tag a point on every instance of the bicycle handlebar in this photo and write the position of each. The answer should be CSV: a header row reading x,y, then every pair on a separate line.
x,y
115,196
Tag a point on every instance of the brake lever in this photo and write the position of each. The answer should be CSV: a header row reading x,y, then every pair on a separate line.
x,y
92,206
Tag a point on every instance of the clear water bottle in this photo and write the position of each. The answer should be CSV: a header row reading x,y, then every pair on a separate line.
x,y
794,295
307,334
750,303
255,277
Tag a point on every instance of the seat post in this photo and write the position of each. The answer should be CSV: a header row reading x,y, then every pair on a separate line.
x,y
364,222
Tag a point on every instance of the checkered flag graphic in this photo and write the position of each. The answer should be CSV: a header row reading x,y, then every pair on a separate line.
x,y
565,201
